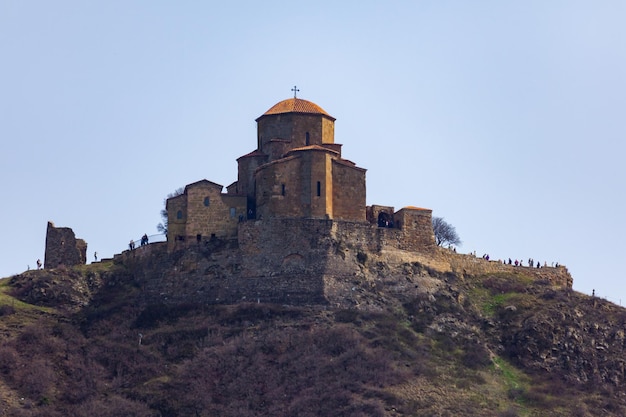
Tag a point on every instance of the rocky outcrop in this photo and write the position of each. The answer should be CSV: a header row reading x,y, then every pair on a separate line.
x,y
580,338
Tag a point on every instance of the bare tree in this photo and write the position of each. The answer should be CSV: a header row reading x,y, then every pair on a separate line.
x,y
445,233
162,227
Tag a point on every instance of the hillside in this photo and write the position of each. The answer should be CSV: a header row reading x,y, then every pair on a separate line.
x,y
84,341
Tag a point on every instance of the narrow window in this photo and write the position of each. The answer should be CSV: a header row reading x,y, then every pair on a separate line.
x,y
307,139
319,188
199,238
179,214
233,212
207,201
282,189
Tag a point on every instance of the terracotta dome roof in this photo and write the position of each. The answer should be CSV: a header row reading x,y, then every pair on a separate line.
x,y
296,105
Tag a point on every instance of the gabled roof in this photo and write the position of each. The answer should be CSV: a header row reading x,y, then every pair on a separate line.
x,y
203,183
296,105
254,153
312,148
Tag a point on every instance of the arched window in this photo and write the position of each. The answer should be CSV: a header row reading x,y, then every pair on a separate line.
x,y
319,188
179,214
207,201
282,189
307,139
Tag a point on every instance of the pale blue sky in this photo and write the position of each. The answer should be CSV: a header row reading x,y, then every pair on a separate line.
x,y
504,117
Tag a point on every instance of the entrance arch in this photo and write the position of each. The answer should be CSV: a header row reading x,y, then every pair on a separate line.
x,y
384,219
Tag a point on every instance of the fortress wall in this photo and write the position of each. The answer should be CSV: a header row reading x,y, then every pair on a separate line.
x,y
276,260
287,261
305,261
471,265
200,274
268,245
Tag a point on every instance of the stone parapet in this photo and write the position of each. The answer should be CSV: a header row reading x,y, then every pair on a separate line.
x,y
468,265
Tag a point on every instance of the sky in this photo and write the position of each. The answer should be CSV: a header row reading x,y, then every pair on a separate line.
x,y
504,118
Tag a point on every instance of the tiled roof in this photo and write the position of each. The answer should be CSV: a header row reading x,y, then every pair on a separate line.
x,y
296,105
416,208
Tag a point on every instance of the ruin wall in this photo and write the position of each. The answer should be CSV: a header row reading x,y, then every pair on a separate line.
x,y
63,248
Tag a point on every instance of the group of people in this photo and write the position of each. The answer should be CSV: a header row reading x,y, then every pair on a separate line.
x,y
143,241
519,262
531,263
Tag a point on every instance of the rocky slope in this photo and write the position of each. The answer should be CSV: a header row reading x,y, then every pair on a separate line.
x,y
414,337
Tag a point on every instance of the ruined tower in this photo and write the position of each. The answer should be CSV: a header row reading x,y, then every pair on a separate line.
x,y
63,248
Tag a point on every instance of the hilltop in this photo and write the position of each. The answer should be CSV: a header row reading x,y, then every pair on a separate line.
x,y
443,335
287,296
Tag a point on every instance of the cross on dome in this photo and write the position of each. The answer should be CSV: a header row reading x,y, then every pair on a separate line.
x,y
295,91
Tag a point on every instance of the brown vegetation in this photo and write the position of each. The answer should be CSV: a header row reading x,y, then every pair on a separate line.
x,y
495,345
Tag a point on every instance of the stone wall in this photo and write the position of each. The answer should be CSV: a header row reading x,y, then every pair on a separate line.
x,y
348,191
417,229
62,247
294,127
246,167
373,213
290,261
209,212
205,213
309,261
274,200
468,265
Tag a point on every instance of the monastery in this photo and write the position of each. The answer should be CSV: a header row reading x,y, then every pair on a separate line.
x,y
296,172
293,228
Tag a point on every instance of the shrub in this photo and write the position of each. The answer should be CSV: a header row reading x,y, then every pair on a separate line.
x,y
509,412
6,310
476,356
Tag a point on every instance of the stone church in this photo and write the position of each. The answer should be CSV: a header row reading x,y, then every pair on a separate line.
x,y
293,229
296,172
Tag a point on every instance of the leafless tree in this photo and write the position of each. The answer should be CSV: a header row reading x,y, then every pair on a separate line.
x,y
445,233
162,227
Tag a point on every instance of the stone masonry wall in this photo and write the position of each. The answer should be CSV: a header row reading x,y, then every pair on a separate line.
x,y
471,265
348,191
62,247
294,127
291,261
417,229
296,261
271,200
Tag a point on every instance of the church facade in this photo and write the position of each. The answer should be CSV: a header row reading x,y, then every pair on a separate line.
x,y
296,172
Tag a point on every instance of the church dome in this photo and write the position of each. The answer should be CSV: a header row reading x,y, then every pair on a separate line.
x,y
296,105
